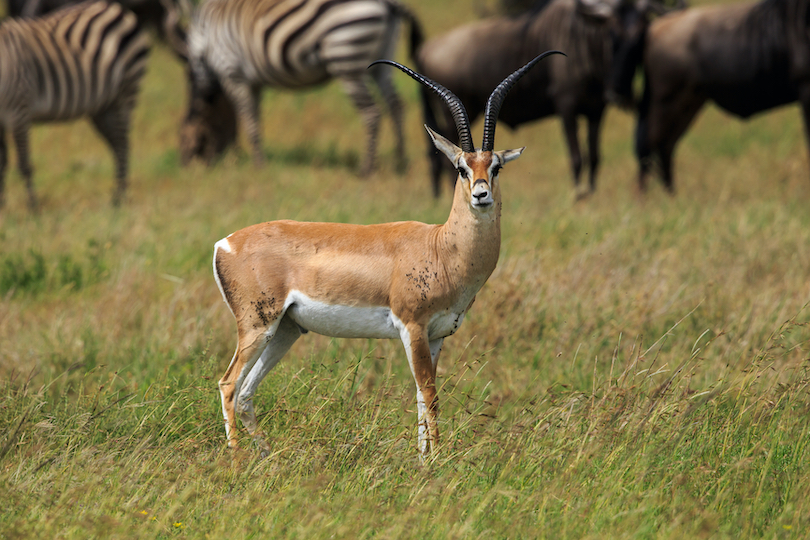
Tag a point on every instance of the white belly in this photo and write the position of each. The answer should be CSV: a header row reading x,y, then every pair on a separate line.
x,y
360,322
341,321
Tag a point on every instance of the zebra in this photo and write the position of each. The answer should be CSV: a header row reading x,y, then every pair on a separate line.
x,y
83,60
166,17
239,46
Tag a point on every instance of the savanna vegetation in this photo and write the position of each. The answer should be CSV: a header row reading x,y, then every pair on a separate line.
x,y
636,367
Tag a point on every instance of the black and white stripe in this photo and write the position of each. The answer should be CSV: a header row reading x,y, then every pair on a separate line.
x,y
84,60
243,45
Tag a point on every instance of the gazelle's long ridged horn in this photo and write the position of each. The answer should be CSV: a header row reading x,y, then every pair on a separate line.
x,y
453,102
496,100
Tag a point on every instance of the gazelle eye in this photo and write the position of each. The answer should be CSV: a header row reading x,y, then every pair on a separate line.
x,y
495,170
463,172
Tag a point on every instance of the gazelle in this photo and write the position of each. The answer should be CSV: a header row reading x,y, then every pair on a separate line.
x,y
403,280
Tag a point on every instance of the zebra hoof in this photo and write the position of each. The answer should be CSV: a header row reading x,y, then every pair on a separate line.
x,y
366,170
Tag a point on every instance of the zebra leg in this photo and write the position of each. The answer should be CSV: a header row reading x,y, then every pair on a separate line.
x,y
357,89
383,78
113,125
245,98
21,142
3,163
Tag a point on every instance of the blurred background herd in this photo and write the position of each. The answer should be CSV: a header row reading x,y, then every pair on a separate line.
x,y
661,62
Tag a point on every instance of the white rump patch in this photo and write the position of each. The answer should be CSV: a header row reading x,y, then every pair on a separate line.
x,y
225,246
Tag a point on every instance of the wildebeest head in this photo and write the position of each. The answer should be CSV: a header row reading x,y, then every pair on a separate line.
x,y
210,125
629,24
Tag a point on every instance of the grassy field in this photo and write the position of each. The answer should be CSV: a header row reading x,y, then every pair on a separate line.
x,y
635,367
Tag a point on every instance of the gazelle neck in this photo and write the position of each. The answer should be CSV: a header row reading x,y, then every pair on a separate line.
x,y
471,235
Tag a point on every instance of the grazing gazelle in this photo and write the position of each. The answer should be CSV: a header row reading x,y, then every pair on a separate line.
x,y
403,280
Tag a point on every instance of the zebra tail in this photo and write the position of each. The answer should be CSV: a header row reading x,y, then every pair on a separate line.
x,y
417,36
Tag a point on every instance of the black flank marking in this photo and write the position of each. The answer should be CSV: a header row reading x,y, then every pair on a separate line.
x,y
265,309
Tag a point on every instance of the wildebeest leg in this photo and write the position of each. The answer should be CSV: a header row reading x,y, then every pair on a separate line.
x,y
666,124
594,126
357,89
113,125
804,99
642,148
569,121
245,98
3,164
20,134
383,78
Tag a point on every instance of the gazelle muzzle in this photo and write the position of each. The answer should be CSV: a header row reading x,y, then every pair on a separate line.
x,y
481,194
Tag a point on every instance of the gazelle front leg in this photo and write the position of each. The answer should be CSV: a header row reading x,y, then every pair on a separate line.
x,y
420,358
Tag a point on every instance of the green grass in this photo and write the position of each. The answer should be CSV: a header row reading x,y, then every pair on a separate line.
x,y
635,368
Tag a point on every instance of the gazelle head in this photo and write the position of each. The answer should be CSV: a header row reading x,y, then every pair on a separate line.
x,y
477,168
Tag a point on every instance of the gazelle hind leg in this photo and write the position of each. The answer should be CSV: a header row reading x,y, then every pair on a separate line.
x,y
248,350
286,334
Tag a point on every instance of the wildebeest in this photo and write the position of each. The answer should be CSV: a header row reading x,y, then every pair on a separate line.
x,y
745,58
471,59
163,15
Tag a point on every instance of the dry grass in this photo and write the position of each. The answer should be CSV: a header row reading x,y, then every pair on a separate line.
x,y
636,367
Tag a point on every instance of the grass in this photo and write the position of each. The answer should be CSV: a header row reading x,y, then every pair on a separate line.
x,y
635,368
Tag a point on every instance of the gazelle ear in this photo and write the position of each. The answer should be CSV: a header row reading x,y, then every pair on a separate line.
x,y
444,145
510,155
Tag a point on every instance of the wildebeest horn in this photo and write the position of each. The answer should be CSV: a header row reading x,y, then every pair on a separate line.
x,y
496,100
453,102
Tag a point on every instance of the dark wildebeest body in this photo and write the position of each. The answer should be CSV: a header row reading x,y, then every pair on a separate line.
x,y
471,59
745,58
